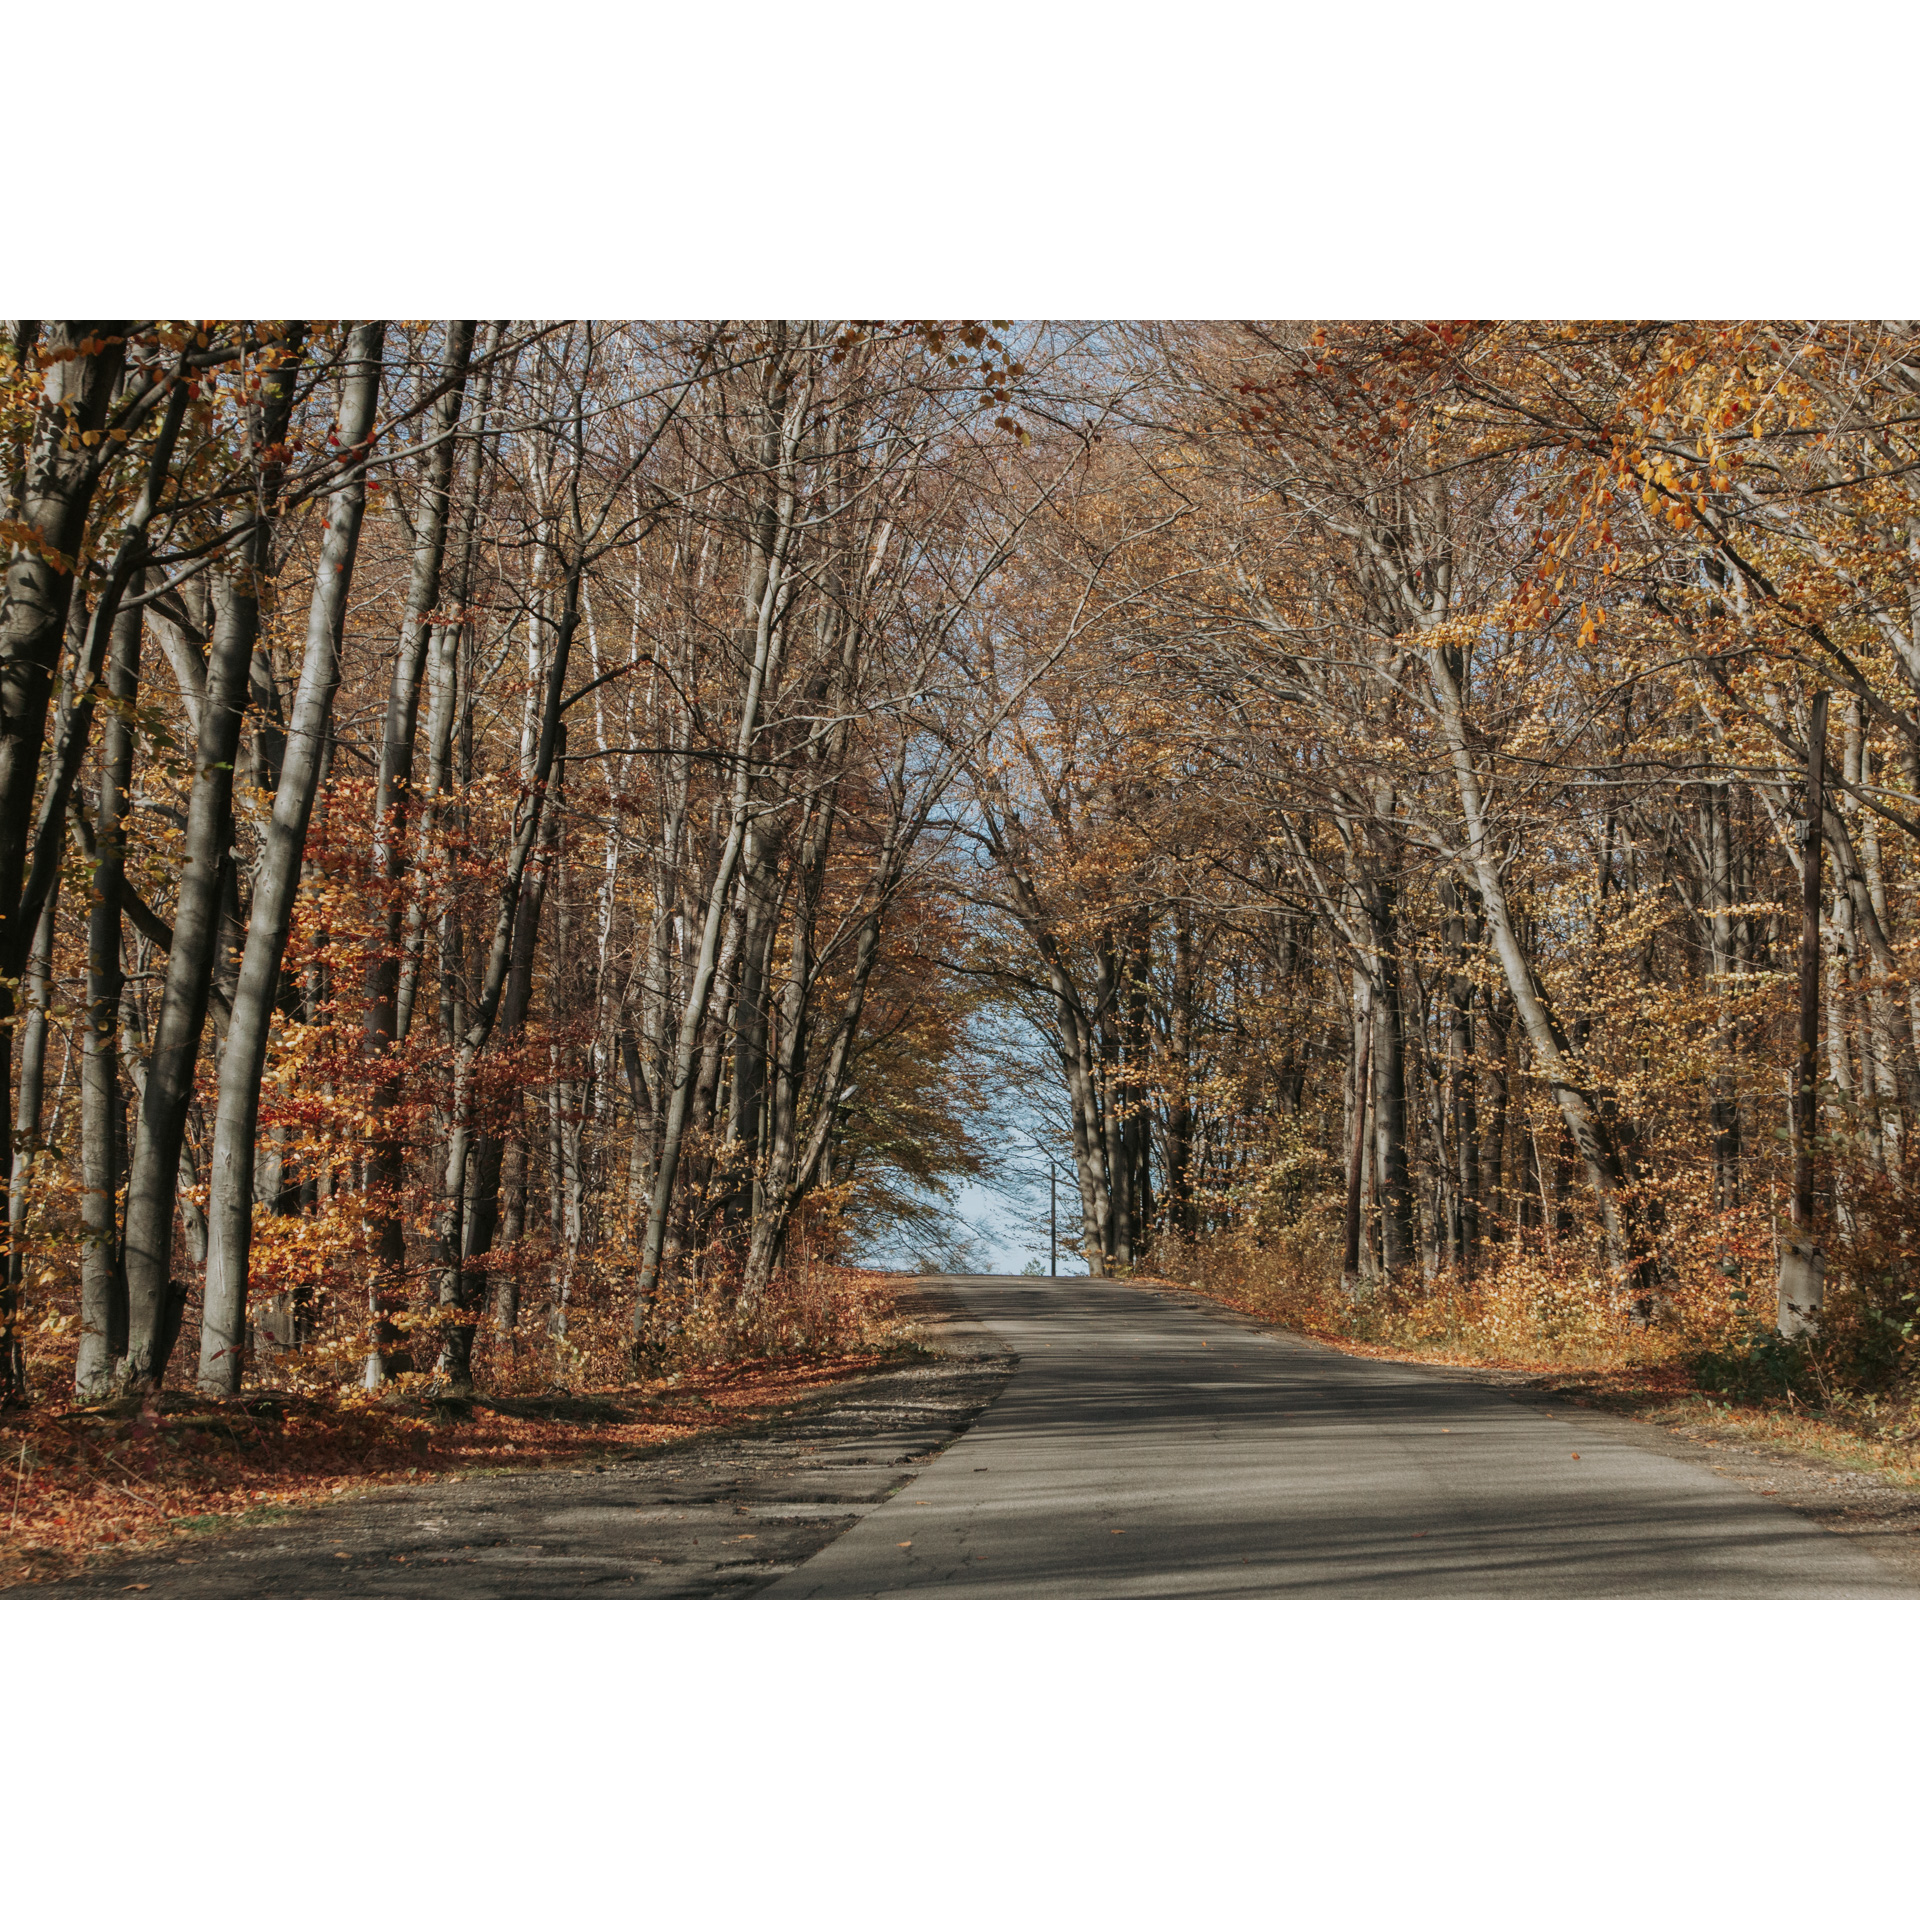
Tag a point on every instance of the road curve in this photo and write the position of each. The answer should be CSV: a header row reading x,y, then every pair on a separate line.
x,y
1150,1445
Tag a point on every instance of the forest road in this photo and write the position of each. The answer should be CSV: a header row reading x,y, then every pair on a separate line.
x,y
1154,1445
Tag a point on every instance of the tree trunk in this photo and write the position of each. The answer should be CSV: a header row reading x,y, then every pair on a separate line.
x,y
500,1158
83,363
103,1273
1628,1253
455,1362
791,1174
230,1212
386,1170
154,1296
1806,1071
1360,1083
700,988
752,1021
1461,1079
1493,1161
33,1070
1391,1181
1179,1194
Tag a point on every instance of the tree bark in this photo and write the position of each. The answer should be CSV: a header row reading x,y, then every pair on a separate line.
x,y
1362,1083
1627,1250
103,1273
1806,1069
1462,1091
83,361
386,1170
230,1213
1180,1010
770,602
455,1363
154,1295
33,1068
1390,1092
499,1161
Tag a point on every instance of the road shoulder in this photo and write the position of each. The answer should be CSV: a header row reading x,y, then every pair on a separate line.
x,y
718,1515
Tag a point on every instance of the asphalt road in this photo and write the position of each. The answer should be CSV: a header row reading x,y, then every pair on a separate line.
x,y
1154,1446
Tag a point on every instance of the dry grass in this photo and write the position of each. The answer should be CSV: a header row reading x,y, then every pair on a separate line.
x,y
1552,1314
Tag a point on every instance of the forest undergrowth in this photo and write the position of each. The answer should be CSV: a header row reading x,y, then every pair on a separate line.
x,y
1710,1357
85,1478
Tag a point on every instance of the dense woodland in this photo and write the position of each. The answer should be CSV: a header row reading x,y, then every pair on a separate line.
x,y
519,841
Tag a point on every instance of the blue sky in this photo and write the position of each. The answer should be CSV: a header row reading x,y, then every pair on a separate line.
x,y
996,1218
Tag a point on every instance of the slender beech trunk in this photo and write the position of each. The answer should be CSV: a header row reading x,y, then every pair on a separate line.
x,y
1883,1004
705,1094
1627,1250
773,590
1390,1092
1893,1018
499,1161
1800,1282
506,1167
385,1166
1493,1160
792,1169
1462,1093
1361,1085
64,767
1114,1237
1180,1199
230,1212
790,1061
556,1173
455,1363
83,368
765,898
1806,1066
1137,1135
649,1051
59,486
85,364
447,642
154,1296
1089,1151
38,983
1723,1109
103,1273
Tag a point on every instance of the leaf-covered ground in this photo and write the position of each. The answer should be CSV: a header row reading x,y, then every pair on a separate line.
x,y
81,1482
